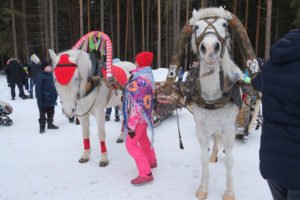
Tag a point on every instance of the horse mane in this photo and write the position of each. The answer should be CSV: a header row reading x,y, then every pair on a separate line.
x,y
209,13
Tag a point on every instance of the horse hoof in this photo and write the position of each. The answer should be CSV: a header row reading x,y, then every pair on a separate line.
x,y
119,140
103,163
213,159
83,160
228,197
201,195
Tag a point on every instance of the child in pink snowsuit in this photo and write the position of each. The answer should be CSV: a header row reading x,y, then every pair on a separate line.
x,y
137,109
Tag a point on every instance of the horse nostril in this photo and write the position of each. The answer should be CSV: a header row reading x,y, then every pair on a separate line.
x,y
203,49
217,47
73,110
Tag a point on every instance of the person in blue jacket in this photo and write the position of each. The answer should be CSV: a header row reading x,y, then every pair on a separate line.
x,y
46,96
279,83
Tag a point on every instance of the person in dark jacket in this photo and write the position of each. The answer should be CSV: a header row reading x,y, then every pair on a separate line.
x,y
15,74
33,70
279,83
46,96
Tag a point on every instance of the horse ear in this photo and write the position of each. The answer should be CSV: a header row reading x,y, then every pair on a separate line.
x,y
52,54
194,11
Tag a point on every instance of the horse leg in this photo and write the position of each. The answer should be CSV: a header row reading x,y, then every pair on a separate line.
x,y
101,135
214,155
203,138
120,139
228,140
121,136
84,121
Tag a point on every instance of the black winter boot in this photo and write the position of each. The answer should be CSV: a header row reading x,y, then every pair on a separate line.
x,y
117,119
52,126
42,128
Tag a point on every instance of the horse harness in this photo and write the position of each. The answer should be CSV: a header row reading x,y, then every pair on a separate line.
x,y
191,89
94,81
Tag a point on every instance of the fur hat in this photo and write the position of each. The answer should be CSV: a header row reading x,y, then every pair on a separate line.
x,y
35,59
144,59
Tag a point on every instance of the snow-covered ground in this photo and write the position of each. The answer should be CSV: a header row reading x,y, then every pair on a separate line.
x,y
42,167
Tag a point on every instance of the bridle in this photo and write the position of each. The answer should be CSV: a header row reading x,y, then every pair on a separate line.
x,y
223,41
210,25
78,81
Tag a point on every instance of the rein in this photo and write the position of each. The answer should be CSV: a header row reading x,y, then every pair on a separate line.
x,y
91,107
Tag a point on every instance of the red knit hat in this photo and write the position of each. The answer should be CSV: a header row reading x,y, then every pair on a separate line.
x,y
144,59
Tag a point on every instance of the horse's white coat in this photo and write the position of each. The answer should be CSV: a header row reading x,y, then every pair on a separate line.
x,y
94,103
220,122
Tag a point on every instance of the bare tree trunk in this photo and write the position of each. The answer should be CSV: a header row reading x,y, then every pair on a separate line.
x,y
133,28
81,17
257,26
89,14
118,28
159,35
56,26
71,23
203,3
41,27
51,26
102,15
178,17
24,26
174,24
246,14
277,20
127,24
46,29
234,6
14,28
268,29
112,30
143,27
186,46
233,37
166,34
148,26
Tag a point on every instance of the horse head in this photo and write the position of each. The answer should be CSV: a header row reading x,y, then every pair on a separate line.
x,y
71,71
210,35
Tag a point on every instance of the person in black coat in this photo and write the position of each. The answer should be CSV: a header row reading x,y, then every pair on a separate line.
x,y
279,83
46,96
15,74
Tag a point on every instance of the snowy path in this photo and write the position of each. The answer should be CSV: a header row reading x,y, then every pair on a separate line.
x,y
45,167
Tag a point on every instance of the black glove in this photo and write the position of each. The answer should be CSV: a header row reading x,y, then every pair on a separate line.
x,y
131,133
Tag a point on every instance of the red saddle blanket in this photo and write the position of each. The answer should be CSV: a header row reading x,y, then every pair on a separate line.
x,y
118,73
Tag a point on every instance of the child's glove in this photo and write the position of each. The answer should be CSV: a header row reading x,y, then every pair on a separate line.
x,y
131,133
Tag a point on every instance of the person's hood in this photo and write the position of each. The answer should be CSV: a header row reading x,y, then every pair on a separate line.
x,y
287,49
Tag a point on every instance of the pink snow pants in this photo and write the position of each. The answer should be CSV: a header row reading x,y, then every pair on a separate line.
x,y
139,147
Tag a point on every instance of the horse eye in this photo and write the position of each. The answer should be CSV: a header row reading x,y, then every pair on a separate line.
x,y
196,27
225,25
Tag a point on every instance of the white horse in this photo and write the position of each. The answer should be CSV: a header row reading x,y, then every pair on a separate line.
x,y
76,100
211,44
